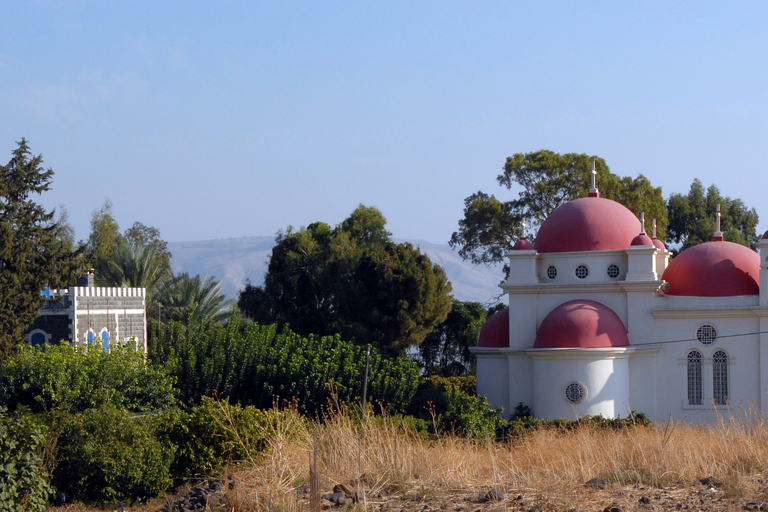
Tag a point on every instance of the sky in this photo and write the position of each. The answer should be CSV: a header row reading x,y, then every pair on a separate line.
x,y
231,119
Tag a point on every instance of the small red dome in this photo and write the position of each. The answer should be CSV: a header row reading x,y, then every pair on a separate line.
x,y
495,330
641,239
581,324
714,269
765,235
523,245
587,224
659,244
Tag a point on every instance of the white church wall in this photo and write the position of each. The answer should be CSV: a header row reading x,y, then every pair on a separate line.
x,y
605,378
493,378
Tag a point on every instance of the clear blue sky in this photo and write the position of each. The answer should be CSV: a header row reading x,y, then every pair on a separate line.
x,y
230,119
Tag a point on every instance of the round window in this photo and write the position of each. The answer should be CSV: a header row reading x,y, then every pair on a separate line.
x,y
706,334
551,272
582,271
575,393
613,271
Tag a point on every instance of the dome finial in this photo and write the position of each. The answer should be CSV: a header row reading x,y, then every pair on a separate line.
x,y
718,234
654,228
593,190
522,235
642,223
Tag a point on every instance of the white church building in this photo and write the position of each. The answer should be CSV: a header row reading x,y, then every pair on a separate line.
x,y
601,321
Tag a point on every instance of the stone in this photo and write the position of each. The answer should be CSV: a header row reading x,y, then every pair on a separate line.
x,y
347,490
337,498
756,505
596,483
615,507
494,495
710,481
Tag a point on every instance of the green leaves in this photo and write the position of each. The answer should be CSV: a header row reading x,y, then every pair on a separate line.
x,y
692,217
33,251
351,280
23,481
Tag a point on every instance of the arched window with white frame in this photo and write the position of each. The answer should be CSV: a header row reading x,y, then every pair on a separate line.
x,y
720,377
694,377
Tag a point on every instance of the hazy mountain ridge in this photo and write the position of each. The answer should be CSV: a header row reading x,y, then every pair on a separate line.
x,y
233,260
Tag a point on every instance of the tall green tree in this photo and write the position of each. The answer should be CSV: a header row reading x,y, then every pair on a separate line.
x,y
545,180
136,266
692,217
31,248
105,234
445,350
141,235
352,280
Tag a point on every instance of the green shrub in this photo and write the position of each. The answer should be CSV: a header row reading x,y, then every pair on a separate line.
x,y
254,365
23,482
75,379
108,454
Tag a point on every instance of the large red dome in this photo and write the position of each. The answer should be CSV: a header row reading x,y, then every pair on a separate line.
x,y
588,224
495,330
581,324
714,269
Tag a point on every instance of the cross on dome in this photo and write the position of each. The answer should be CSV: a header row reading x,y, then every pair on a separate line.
x,y
718,234
593,190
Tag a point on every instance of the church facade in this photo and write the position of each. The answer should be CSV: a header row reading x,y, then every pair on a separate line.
x,y
602,321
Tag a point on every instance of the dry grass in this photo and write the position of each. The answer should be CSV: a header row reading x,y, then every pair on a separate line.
x,y
551,466
396,460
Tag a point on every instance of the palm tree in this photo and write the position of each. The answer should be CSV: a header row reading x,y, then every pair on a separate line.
x,y
137,267
185,297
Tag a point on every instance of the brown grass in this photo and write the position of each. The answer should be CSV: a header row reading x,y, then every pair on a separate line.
x,y
549,465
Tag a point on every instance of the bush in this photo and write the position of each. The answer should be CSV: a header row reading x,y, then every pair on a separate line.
x,y
23,482
108,454
254,365
76,378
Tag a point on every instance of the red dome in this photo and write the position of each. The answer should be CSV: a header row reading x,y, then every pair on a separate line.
x,y
588,224
523,245
581,324
495,330
659,244
714,269
641,239
765,235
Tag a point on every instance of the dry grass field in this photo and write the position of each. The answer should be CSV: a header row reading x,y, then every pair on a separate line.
x,y
544,470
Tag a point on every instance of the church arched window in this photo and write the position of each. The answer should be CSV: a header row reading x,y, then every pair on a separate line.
x,y
694,377
720,377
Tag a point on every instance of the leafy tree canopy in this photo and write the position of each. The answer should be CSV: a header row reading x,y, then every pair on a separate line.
x,y
547,179
352,280
445,350
692,217
33,248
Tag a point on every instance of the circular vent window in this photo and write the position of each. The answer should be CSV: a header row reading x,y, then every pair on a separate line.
x,y
575,393
582,271
706,334
613,271
551,272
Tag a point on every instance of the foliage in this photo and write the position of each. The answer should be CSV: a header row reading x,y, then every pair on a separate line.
x,y
23,481
216,432
33,252
522,422
445,350
148,237
187,297
548,180
136,267
351,280
76,379
104,237
254,365
108,454
692,217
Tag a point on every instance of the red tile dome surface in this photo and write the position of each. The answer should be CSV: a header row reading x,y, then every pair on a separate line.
x,y
581,324
714,269
495,330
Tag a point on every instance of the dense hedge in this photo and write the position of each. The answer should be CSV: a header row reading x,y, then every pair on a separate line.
x,y
23,480
255,365
76,378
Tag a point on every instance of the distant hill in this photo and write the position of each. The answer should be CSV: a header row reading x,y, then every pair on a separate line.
x,y
233,260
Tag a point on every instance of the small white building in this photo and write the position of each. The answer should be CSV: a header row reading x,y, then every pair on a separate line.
x,y
600,321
